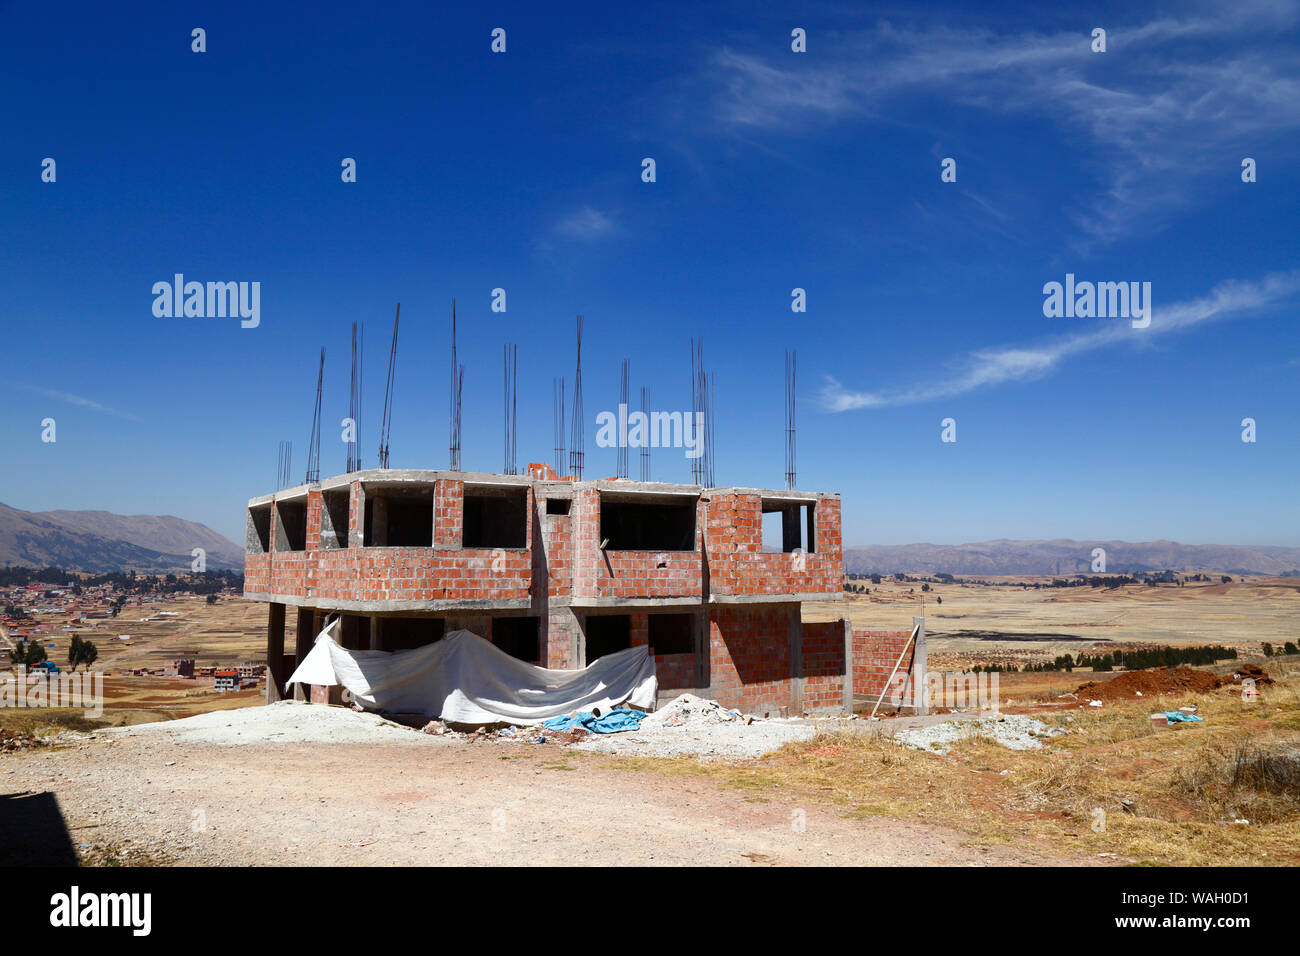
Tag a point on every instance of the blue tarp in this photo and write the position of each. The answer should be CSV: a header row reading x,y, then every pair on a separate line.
x,y
614,722
1176,716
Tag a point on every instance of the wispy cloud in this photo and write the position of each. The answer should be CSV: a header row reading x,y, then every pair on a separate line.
x,y
77,400
586,223
1155,107
984,368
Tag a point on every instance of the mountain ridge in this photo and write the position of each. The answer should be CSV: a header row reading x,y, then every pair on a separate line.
x,y
101,541
1068,556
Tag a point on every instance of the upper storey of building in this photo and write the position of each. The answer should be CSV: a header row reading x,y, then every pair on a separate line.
x,y
399,540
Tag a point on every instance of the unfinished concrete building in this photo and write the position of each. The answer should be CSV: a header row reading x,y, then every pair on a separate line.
x,y
558,572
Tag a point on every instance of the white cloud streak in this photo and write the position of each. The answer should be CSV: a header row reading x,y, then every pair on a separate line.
x,y
77,400
586,223
1155,111
984,368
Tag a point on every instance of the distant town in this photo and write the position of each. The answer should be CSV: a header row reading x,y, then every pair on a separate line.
x,y
54,619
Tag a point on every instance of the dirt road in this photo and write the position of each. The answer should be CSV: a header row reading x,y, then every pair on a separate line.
x,y
436,801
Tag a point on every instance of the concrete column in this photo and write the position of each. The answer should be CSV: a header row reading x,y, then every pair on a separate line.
x,y
795,617
356,515
275,670
703,648
848,666
302,646
920,671
315,505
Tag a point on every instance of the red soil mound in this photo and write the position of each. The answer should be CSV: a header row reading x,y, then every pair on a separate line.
x,y
1165,680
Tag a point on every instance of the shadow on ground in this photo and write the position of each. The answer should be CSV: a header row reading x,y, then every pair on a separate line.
x,y
32,831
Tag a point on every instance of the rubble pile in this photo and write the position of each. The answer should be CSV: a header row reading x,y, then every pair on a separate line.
x,y
11,740
691,711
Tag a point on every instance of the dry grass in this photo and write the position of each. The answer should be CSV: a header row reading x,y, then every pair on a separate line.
x,y
43,721
1242,615
1165,796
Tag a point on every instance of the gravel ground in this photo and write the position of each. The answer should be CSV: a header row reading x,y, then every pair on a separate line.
x,y
1014,731
293,722
698,727
287,722
687,727
153,798
731,741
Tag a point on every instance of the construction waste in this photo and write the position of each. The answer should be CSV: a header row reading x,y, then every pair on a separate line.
x,y
686,712
1013,731
11,740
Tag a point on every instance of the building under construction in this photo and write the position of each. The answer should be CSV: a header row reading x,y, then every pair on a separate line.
x,y
558,572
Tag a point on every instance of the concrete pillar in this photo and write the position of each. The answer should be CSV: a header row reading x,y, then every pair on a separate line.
x,y
703,649
356,515
848,666
795,618
920,671
275,670
302,645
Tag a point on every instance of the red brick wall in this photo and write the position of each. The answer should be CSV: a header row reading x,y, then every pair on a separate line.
x,y
314,503
627,573
584,513
639,626
356,511
448,513
560,635
257,576
557,536
649,574
392,574
749,657
874,655
750,664
730,526
675,671
738,565
826,519
823,665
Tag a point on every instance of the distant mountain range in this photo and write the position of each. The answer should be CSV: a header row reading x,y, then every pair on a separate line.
x,y
1063,556
100,541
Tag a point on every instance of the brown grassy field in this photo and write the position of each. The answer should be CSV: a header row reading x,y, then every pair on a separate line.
x,y
228,632
225,633
991,624
1015,626
131,700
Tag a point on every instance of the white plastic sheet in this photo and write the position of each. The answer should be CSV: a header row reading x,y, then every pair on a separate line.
x,y
465,679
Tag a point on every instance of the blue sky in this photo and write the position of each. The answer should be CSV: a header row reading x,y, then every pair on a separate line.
x,y
775,170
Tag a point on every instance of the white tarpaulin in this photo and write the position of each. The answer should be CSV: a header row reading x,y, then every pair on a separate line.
x,y
465,679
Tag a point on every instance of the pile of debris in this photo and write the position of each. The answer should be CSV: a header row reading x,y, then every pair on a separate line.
x,y
511,733
1013,731
11,740
1154,681
689,711
686,712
